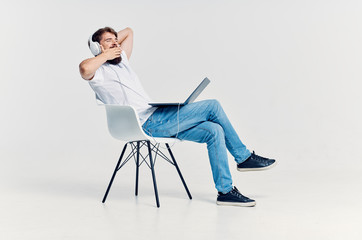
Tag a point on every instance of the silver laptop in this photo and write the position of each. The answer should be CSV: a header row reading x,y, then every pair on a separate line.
x,y
190,99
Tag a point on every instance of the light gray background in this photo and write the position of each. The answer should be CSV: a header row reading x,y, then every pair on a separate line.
x,y
286,72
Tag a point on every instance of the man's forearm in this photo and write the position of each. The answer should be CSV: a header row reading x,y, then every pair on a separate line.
x,y
89,66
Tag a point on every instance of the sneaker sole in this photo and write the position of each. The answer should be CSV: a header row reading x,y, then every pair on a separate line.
x,y
256,169
238,204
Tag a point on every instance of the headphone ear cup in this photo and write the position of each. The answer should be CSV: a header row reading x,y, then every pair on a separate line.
x,y
94,47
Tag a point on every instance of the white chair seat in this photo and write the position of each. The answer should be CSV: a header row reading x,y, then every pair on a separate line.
x,y
123,124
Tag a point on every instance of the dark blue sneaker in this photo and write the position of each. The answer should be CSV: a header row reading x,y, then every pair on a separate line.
x,y
234,198
256,163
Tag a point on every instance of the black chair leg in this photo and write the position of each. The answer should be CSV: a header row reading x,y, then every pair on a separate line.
x,y
114,173
178,170
153,173
137,167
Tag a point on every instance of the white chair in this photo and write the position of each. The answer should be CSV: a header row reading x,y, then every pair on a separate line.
x,y
123,124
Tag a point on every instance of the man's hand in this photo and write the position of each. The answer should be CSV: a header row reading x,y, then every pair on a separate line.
x,y
111,53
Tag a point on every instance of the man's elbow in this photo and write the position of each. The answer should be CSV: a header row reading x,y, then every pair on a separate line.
x,y
85,72
130,30
82,69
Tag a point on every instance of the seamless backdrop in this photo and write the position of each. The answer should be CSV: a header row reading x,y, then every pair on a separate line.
x,y
286,72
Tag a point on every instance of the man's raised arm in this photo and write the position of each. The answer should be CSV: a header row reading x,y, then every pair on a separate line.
x,y
125,40
88,67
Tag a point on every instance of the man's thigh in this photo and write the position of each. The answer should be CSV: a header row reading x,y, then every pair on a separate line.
x,y
201,133
168,121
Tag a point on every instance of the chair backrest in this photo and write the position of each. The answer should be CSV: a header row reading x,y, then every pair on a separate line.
x,y
123,123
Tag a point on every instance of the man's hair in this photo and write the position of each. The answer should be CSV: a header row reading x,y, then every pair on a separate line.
x,y
97,36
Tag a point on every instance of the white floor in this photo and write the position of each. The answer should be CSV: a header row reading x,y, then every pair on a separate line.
x,y
64,202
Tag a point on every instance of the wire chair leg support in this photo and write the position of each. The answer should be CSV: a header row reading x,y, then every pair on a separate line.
x,y
137,167
114,173
153,173
178,170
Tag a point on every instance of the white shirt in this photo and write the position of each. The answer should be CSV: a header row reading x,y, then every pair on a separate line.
x,y
119,84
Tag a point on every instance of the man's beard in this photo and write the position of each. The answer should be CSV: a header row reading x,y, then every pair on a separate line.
x,y
115,61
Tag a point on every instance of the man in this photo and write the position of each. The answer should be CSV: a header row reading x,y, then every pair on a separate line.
x,y
114,82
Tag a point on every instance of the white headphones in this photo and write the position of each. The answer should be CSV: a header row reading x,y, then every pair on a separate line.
x,y
94,46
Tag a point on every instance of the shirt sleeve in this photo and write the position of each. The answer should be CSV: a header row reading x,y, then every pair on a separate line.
x,y
124,57
98,76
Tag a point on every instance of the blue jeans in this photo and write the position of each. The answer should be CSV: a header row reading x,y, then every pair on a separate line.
x,y
202,122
